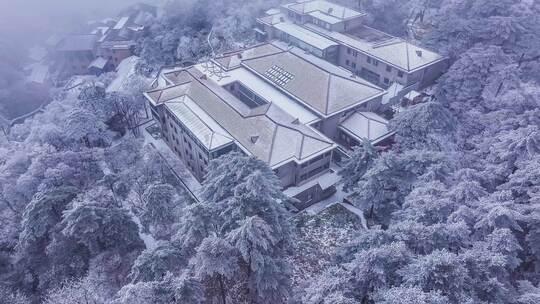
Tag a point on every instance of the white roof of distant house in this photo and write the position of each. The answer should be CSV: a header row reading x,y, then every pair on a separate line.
x,y
207,131
394,51
121,23
322,87
305,35
366,126
77,43
39,73
325,10
267,132
273,19
98,63
272,11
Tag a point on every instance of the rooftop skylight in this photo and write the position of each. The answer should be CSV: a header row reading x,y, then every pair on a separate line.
x,y
278,75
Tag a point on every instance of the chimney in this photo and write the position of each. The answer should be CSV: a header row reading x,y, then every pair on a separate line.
x,y
281,19
254,139
203,76
239,55
419,53
330,10
296,121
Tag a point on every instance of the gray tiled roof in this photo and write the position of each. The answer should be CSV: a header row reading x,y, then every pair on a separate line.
x,y
278,139
325,88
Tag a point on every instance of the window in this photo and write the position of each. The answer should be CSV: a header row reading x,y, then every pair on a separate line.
x,y
375,62
354,65
388,68
349,50
347,62
400,74
310,196
368,59
386,80
355,53
248,97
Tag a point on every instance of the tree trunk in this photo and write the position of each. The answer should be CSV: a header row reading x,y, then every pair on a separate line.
x,y
222,290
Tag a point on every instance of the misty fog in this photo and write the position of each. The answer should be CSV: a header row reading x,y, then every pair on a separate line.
x,y
29,21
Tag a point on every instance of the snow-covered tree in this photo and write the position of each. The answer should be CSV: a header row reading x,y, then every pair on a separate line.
x,y
102,228
357,165
216,262
153,263
427,125
266,269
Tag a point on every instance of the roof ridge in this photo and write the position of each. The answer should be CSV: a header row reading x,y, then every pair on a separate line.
x,y
189,108
301,147
328,94
408,59
272,144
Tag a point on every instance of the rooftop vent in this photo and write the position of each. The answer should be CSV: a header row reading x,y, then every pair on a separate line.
x,y
419,53
330,10
281,19
239,55
203,76
254,139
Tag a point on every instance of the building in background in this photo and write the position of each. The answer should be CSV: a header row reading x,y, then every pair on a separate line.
x,y
336,34
102,46
275,102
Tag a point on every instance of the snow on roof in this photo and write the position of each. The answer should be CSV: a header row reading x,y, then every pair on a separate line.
x,y
77,43
272,11
98,63
121,23
325,17
366,126
305,35
272,19
325,181
234,59
205,129
391,50
327,8
412,95
278,139
39,73
266,91
324,88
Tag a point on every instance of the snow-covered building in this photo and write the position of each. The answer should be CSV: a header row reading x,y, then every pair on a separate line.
x,y
278,103
336,33
102,45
